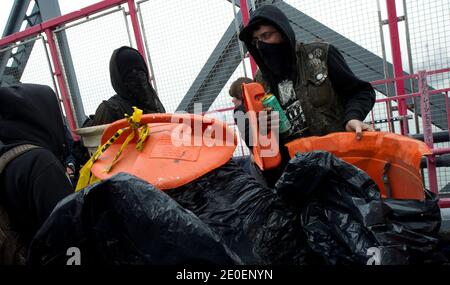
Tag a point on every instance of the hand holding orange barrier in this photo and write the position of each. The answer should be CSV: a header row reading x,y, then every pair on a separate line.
x,y
391,160
358,127
265,150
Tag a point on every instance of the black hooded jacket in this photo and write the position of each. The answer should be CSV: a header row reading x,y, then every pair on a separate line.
x,y
33,183
358,96
122,62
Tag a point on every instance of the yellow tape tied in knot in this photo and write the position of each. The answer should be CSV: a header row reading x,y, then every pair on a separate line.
x,y
134,121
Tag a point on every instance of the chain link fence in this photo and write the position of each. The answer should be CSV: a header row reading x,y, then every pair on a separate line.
x,y
34,52
85,50
357,27
38,68
194,54
430,50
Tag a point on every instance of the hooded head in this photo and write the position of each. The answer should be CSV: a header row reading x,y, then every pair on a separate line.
x,y
30,113
130,79
128,72
275,60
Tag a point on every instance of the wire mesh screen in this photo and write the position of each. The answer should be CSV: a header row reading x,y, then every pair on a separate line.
x,y
222,109
27,62
351,26
430,37
193,57
384,115
354,28
430,50
197,58
430,40
443,173
89,56
356,20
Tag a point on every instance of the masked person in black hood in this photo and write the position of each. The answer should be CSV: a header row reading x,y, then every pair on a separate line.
x,y
312,82
130,79
33,181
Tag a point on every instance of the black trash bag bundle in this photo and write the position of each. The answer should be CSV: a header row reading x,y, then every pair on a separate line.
x,y
322,211
250,218
346,221
124,220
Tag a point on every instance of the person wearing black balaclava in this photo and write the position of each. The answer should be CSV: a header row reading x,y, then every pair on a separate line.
x,y
312,82
32,183
130,79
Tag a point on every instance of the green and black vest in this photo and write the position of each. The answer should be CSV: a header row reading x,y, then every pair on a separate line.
x,y
323,109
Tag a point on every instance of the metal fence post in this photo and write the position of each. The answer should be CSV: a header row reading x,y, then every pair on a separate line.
x,y
391,124
397,60
147,50
447,107
136,30
61,83
245,20
241,48
427,129
411,68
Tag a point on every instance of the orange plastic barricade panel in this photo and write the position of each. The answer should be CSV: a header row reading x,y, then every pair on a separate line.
x,y
266,155
392,161
179,149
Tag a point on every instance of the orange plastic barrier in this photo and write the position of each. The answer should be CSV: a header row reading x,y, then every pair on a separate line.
x,y
252,95
392,161
164,161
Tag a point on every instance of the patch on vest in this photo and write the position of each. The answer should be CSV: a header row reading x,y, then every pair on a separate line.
x,y
317,67
292,107
287,92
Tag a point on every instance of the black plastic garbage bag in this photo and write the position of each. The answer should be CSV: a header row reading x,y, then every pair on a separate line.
x,y
124,220
346,221
250,218
249,167
322,211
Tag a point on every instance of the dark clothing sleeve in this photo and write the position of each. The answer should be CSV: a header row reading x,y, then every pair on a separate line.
x,y
49,187
31,186
102,115
243,124
68,151
358,96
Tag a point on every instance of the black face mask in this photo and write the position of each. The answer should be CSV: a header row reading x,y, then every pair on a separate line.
x,y
276,57
136,83
143,94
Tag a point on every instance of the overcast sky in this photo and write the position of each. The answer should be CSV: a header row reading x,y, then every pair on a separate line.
x,y
66,6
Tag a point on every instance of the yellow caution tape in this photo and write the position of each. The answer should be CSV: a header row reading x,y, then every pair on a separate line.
x,y
86,176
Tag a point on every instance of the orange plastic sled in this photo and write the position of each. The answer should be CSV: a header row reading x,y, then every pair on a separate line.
x,y
266,156
164,161
392,161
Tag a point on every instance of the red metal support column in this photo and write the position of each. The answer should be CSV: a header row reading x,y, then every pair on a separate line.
x,y
61,83
447,108
444,203
58,21
427,129
136,29
245,19
397,61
